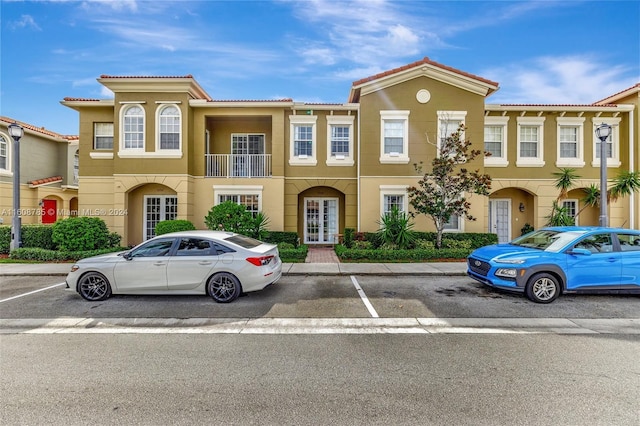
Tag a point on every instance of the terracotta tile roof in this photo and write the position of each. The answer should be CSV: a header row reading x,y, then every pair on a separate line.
x,y
146,76
37,129
44,181
252,100
423,61
67,99
558,105
629,89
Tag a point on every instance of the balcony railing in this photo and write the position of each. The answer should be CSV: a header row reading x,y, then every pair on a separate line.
x,y
238,165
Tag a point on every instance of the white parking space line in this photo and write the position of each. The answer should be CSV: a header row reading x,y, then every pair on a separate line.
x,y
364,298
31,292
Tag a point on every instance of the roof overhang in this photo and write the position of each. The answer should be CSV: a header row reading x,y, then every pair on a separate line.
x,y
83,103
610,108
185,84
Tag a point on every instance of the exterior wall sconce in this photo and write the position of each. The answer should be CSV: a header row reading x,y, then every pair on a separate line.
x,y
521,207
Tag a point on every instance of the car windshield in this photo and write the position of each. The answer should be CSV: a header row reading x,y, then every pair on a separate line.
x,y
546,239
244,241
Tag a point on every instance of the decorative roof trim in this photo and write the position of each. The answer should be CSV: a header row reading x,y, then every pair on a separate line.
x,y
620,95
45,181
172,84
40,131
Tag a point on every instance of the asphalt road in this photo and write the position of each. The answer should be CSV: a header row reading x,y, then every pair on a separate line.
x,y
155,375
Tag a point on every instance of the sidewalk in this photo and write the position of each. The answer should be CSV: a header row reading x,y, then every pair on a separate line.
x,y
395,269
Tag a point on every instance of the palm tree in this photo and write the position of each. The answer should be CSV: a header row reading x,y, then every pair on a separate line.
x,y
565,180
591,198
626,183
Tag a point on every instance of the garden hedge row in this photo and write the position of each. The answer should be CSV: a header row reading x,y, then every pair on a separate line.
x,y
413,255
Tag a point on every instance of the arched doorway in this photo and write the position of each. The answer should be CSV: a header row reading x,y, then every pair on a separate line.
x,y
322,212
147,205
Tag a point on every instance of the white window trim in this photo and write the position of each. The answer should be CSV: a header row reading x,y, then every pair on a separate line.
x,y
95,135
614,122
526,161
168,152
494,160
571,122
98,155
337,120
219,190
394,190
460,227
132,152
295,120
8,171
403,157
448,116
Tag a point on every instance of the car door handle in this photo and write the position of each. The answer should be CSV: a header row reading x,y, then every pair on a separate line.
x,y
205,262
159,263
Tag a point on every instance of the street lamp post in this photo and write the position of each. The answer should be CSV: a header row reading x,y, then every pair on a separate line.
x,y
16,131
603,132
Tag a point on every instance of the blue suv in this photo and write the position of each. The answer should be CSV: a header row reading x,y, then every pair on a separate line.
x,y
554,260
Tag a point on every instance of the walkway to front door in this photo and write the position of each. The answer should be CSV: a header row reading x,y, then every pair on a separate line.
x,y
321,255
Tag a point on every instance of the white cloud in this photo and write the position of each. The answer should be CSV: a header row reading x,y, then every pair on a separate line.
x,y
26,21
558,80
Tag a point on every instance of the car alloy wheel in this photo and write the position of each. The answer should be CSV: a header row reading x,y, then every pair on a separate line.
x,y
94,286
543,288
224,287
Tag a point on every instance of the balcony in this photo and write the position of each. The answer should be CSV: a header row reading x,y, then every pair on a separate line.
x,y
238,165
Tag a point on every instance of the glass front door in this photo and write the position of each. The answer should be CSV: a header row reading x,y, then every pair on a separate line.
x,y
500,220
320,220
156,209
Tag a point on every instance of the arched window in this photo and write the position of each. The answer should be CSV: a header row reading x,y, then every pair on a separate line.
x,y
4,153
169,127
133,127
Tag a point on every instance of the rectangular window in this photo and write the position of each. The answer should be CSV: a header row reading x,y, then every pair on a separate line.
x,y
530,144
572,209
103,136
169,132
493,140
303,141
568,142
3,153
612,143
609,148
529,141
394,136
391,201
340,140
249,201
453,224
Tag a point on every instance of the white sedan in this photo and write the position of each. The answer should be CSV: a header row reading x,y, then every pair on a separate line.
x,y
222,265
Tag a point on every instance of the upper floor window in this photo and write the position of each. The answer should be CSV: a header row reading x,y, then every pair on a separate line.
x,y
4,153
530,145
340,140
76,168
495,141
133,127
169,127
102,136
613,142
303,141
448,124
570,141
394,136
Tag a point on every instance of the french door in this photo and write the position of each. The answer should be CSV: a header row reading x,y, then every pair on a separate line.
x,y
156,209
500,219
247,154
320,220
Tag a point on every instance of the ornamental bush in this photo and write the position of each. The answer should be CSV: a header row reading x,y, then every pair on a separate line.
x,y
229,216
81,234
166,226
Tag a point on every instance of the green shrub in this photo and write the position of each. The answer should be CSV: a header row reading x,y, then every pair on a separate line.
x,y
363,245
527,228
114,239
414,255
80,233
285,246
276,237
297,255
231,217
349,234
38,236
45,255
476,239
396,228
5,239
166,226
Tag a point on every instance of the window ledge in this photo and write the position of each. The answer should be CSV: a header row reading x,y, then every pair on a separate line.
x,y
345,162
570,163
496,162
394,160
610,163
4,172
303,162
101,155
141,154
529,163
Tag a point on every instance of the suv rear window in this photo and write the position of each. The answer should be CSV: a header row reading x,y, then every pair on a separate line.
x,y
244,241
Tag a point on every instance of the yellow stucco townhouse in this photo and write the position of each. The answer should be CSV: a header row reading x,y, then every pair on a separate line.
x,y
162,148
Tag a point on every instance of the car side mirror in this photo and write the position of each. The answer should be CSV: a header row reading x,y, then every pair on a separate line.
x,y
582,251
127,255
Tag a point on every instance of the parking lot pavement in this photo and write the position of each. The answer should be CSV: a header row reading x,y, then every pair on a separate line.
x,y
316,305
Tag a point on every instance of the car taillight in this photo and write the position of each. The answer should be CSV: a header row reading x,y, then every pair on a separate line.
x,y
259,261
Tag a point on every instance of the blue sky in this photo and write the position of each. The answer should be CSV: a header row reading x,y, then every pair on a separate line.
x,y
539,51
